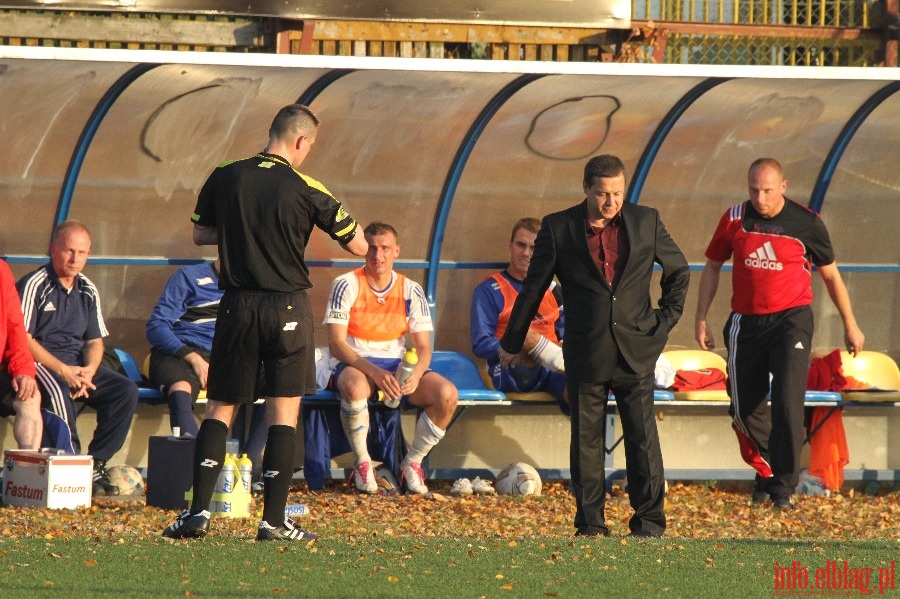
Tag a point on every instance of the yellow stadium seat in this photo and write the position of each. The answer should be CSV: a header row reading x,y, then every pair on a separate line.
x,y
697,359
872,368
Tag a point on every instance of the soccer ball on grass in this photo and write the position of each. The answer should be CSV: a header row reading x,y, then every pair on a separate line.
x,y
127,478
387,482
519,479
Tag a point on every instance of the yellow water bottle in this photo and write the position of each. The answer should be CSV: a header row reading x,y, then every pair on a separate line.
x,y
245,469
406,368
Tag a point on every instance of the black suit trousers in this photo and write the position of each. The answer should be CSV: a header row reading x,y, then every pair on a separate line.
x,y
643,456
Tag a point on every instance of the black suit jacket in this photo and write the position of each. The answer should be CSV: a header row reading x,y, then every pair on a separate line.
x,y
599,321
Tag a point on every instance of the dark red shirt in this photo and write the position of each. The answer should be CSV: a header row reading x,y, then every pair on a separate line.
x,y
609,249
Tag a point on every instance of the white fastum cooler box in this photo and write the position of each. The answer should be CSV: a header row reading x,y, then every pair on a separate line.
x,y
47,478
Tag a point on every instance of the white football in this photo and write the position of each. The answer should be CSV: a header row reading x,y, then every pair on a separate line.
x,y
127,478
518,479
387,482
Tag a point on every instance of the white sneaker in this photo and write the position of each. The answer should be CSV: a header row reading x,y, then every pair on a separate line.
x,y
412,478
363,477
461,487
482,487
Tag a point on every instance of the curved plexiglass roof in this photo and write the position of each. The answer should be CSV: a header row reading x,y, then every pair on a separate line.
x,y
451,153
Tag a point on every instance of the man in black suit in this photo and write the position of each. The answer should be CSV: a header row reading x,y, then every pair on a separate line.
x,y
602,251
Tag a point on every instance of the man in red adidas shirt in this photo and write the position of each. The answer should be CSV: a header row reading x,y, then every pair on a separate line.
x,y
774,243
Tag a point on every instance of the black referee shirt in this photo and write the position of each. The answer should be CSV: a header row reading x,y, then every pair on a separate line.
x,y
264,212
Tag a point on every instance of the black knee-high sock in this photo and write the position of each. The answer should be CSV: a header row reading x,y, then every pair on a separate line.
x,y
181,412
278,471
209,456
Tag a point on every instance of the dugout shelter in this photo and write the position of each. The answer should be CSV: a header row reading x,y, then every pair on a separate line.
x,y
451,153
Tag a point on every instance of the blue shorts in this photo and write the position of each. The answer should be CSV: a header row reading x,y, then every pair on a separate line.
x,y
389,364
525,379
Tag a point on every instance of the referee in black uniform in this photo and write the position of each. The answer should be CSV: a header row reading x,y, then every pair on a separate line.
x,y
260,212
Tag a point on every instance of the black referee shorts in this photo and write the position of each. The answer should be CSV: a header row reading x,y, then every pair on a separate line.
x,y
262,328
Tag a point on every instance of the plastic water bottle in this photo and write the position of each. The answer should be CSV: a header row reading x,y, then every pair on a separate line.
x,y
406,368
228,469
407,365
245,469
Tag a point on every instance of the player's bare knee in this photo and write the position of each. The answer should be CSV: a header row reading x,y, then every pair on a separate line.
x,y
353,385
450,395
355,392
180,386
445,399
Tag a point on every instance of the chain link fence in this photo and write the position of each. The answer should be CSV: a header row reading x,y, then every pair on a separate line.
x,y
814,13
720,49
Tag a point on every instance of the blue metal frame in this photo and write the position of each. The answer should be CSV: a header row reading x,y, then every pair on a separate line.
x,y
817,199
320,84
87,136
445,203
662,131
407,264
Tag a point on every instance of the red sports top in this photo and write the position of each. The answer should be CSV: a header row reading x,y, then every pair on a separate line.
x,y
773,257
16,357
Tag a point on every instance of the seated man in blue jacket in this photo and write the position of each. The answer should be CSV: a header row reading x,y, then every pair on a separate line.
x,y
540,365
180,331
65,328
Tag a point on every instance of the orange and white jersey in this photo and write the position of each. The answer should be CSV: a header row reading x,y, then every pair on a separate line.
x,y
377,319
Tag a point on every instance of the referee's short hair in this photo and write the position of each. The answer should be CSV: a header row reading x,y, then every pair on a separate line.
x,y
293,119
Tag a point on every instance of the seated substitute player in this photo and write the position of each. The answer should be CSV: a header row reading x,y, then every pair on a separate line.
x,y
369,313
65,334
19,395
180,330
540,364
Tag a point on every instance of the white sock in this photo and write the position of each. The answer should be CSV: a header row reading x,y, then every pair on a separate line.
x,y
355,419
427,435
549,355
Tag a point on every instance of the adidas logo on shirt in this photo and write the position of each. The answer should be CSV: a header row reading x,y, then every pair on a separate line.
x,y
49,307
764,257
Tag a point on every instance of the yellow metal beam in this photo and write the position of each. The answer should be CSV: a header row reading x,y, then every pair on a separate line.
x,y
455,33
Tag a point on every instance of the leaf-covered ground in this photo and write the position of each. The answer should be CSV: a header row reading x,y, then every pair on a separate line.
x,y
694,511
